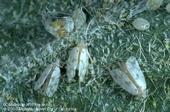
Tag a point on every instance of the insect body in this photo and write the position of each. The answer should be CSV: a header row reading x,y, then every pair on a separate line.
x,y
49,79
154,4
130,77
59,27
141,24
78,60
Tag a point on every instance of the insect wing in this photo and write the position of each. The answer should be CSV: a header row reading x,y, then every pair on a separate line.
x,y
135,71
42,78
79,18
69,24
83,63
54,80
123,80
72,63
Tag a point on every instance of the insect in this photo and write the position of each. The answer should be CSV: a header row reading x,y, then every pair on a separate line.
x,y
154,4
78,60
141,24
59,27
49,79
130,77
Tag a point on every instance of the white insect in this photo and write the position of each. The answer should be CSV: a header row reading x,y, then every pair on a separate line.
x,y
130,77
78,60
141,24
154,4
49,79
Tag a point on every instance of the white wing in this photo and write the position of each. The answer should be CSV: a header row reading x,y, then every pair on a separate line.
x,y
72,63
123,80
135,71
42,78
83,64
69,24
54,80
